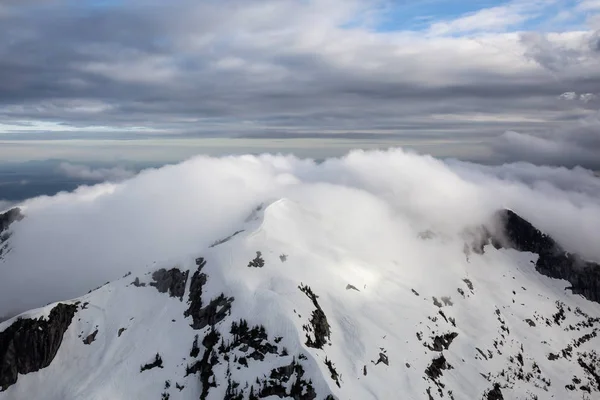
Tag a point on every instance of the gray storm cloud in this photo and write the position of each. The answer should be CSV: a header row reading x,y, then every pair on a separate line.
x,y
73,242
277,68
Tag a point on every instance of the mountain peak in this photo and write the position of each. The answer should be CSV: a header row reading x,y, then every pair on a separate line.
x,y
274,314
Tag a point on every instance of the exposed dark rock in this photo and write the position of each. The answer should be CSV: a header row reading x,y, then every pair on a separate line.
x,y
318,324
383,358
434,370
29,345
157,363
207,363
468,283
590,363
8,217
481,352
198,281
173,281
278,384
553,260
436,302
137,283
283,257
257,262
254,341
334,374
447,301
530,322
224,240
121,330
6,220
494,394
414,292
442,342
195,349
90,338
351,287
216,310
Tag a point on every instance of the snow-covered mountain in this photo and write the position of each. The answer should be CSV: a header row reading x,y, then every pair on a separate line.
x,y
287,306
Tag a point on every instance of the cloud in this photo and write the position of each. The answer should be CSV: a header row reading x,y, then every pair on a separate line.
x,y
370,203
79,171
492,19
242,68
584,97
574,144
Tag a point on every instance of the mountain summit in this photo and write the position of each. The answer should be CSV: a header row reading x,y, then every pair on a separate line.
x,y
284,308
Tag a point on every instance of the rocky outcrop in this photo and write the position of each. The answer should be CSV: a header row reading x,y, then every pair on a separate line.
x,y
318,325
29,345
257,262
215,311
8,217
553,260
442,342
494,393
173,281
6,220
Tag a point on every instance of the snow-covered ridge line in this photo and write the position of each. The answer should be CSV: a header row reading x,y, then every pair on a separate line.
x,y
273,312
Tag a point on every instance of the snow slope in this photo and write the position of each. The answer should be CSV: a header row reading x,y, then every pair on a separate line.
x,y
381,319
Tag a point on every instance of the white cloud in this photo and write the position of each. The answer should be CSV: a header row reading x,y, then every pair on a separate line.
x,y
589,5
584,97
587,97
491,19
553,150
569,96
372,201
97,174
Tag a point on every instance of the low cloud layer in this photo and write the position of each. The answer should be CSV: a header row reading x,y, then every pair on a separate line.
x,y
76,241
85,172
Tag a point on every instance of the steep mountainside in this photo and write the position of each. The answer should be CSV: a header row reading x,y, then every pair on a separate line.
x,y
285,308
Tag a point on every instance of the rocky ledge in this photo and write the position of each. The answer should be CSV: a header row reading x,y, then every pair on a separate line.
x,y
29,345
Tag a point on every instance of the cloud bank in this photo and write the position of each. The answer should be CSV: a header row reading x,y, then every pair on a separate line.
x,y
97,174
369,201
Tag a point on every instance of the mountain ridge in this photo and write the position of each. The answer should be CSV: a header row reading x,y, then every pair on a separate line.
x,y
265,316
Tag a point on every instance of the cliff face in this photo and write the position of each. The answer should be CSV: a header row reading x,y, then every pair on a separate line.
x,y
553,260
8,217
29,345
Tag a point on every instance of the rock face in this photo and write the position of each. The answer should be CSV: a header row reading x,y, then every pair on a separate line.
x,y
6,219
10,216
29,345
318,325
553,260
172,281
216,309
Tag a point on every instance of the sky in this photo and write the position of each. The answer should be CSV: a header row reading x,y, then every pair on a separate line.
x,y
487,81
